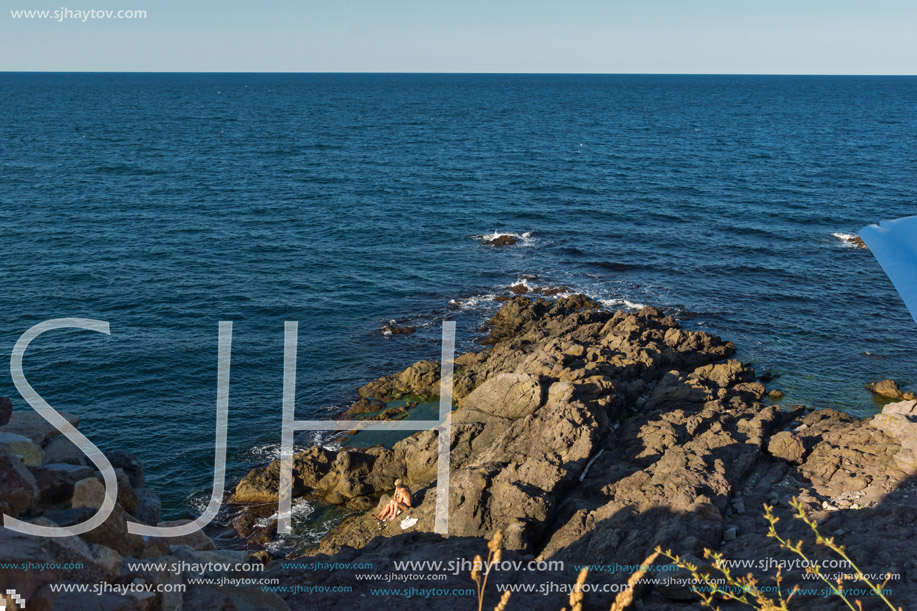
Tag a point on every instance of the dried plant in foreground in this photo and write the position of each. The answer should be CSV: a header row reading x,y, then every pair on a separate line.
x,y
745,589
626,597
829,543
503,601
493,556
576,594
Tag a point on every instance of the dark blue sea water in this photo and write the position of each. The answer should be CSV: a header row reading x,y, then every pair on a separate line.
x,y
166,203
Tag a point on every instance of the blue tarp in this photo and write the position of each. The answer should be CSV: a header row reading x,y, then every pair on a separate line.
x,y
894,244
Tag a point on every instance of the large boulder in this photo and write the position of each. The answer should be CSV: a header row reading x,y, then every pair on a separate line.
x,y
889,389
62,450
18,488
726,374
23,447
130,465
420,379
508,395
787,446
149,506
347,477
55,489
88,493
262,484
514,318
113,533
899,421
32,425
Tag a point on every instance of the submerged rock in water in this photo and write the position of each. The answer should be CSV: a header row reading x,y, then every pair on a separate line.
x,y
851,240
501,240
889,389
393,329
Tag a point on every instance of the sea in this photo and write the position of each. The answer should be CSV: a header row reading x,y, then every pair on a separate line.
x,y
166,203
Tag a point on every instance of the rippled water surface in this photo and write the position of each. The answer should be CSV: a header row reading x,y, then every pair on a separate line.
x,y
166,203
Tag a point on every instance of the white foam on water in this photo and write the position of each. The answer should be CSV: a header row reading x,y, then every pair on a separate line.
x,y
613,304
270,451
301,509
470,303
525,238
524,281
849,239
198,501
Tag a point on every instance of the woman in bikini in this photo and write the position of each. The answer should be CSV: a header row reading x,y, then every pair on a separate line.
x,y
401,501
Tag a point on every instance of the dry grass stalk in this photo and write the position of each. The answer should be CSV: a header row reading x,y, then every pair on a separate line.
x,y
494,554
626,597
501,606
576,595
745,589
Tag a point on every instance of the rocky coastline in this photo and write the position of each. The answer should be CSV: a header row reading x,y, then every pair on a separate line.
x,y
592,437
583,435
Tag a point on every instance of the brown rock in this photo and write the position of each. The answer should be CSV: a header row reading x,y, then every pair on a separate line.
x,y
393,329
365,406
502,240
508,395
899,421
127,498
347,477
262,484
725,374
421,378
89,493
886,388
787,446
111,534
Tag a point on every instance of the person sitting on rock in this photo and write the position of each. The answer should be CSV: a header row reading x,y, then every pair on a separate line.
x,y
400,501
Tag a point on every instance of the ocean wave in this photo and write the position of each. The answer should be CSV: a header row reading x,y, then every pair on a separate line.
x,y
525,281
300,510
470,303
621,304
268,451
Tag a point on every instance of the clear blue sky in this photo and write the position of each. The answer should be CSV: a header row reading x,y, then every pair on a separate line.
x,y
661,36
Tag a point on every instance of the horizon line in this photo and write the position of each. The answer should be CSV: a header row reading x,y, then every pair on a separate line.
x,y
453,73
